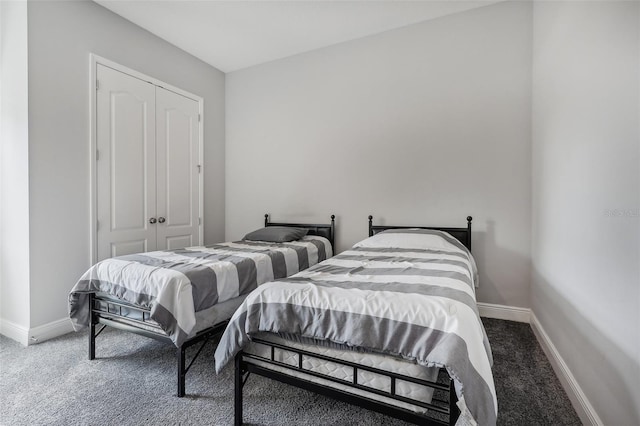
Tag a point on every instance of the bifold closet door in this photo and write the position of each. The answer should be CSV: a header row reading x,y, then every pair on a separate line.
x,y
148,183
178,181
125,164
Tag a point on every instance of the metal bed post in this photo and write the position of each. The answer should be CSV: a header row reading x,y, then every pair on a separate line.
x,y
181,371
469,219
333,233
237,418
92,327
454,411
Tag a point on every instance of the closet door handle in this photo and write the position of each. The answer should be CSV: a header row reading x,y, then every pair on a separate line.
x,y
161,219
152,220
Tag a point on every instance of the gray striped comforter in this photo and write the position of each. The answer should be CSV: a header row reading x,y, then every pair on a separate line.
x,y
175,284
409,293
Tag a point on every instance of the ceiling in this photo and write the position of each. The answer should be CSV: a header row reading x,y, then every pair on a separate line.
x,y
231,35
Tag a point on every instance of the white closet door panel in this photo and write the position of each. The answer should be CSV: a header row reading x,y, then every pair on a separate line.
x,y
122,247
126,166
177,144
181,241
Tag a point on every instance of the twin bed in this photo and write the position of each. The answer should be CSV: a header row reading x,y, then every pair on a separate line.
x,y
184,297
391,325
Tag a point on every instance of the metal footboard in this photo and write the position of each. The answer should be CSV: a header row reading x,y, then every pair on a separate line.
x,y
441,410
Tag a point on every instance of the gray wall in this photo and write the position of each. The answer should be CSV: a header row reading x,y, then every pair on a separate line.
x,y
421,125
14,169
61,36
586,196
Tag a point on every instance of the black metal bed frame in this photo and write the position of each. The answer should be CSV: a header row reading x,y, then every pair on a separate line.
x,y
327,231
106,311
443,412
461,234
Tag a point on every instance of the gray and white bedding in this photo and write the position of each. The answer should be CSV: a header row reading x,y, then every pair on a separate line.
x,y
406,293
176,284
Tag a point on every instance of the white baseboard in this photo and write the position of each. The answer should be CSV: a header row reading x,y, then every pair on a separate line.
x,y
578,399
509,313
50,330
14,331
29,336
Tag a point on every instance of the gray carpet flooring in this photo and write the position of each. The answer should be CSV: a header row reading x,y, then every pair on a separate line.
x,y
133,382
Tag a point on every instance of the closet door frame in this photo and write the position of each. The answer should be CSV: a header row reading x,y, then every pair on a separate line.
x,y
94,60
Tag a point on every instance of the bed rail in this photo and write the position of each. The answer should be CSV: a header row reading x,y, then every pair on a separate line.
x,y
442,410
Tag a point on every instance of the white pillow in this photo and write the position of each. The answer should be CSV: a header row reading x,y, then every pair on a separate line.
x,y
407,240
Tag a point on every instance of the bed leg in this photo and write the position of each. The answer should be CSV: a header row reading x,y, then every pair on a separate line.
x,y
92,328
181,371
238,390
92,341
454,411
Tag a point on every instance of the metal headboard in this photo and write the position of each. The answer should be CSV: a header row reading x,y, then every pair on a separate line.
x,y
461,234
322,230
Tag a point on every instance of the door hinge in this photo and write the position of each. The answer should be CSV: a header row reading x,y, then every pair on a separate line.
x,y
199,221
199,168
97,84
97,225
199,118
97,155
